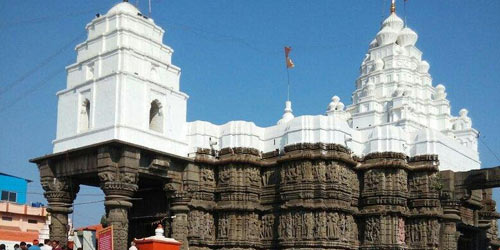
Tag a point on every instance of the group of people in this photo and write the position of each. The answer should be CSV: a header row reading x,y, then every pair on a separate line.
x,y
46,245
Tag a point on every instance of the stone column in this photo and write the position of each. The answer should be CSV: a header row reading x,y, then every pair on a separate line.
x,y
118,174
180,210
451,212
60,194
383,201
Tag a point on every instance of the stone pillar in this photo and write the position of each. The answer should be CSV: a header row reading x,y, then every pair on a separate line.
x,y
118,174
451,212
384,196
60,194
180,210
423,227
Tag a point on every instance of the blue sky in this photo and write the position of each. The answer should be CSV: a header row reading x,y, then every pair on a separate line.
x,y
231,55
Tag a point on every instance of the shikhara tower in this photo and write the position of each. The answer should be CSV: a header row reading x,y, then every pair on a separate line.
x,y
380,173
123,86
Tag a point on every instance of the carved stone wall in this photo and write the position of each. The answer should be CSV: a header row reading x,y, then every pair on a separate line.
x,y
310,196
320,196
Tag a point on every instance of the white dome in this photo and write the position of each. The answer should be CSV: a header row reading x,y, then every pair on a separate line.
x,y
423,67
393,21
463,112
407,37
386,36
123,7
373,43
379,64
440,88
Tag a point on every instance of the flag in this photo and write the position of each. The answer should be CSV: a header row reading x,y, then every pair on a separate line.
x,y
288,61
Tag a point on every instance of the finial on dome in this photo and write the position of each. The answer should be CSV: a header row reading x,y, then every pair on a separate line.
x,y
287,115
393,6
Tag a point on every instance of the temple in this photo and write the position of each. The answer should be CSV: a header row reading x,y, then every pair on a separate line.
x,y
393,170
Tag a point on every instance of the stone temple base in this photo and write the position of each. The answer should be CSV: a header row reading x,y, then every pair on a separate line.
x,y
311,196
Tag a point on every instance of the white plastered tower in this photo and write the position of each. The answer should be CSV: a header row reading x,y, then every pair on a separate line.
x,y
122,86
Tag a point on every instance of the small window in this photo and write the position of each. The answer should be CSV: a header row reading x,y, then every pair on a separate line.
x,y
6,218
156,116
9,196
32,221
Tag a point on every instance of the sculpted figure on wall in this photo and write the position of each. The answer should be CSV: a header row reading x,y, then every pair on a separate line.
x,y
372,229
433,228
309,225
297,233
223,227
207,177
319,171
373,180
253,227
253,177
332,230
401,235
267,231
201,225
402,181
224,176
320,225
307,171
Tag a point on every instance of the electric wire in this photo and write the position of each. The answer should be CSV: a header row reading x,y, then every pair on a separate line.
x,y
34,88
49,18
489,149
42,64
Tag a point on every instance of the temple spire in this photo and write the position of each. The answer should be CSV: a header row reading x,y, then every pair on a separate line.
x,y
393,6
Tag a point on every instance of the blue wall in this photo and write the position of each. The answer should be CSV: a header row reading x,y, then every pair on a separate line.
x,y
14,184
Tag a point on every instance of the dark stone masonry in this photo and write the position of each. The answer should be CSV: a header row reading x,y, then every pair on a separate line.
x,y
310,196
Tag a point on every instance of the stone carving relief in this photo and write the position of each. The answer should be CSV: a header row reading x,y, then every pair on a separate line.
x,y
253,227
318,172
334,226
59,189
207,177
267,227
242,176
239,226
253,177
392,179
401,234
423,231
374,180
201,225
112,176
269,177
372,230
419,182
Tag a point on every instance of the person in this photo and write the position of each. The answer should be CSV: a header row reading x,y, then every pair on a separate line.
x,y
2,246
46,245
132,246
23,246
16,247
55,245
35,245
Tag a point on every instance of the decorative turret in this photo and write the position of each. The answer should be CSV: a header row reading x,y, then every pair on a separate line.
x,y
407,37
287,115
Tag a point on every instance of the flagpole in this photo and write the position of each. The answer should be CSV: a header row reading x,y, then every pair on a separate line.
x,y
404,7
288,89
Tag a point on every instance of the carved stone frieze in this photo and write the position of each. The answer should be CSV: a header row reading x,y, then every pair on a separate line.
x,y
308,196
201,225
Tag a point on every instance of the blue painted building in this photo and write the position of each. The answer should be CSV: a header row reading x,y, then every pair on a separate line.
x,y
13,188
